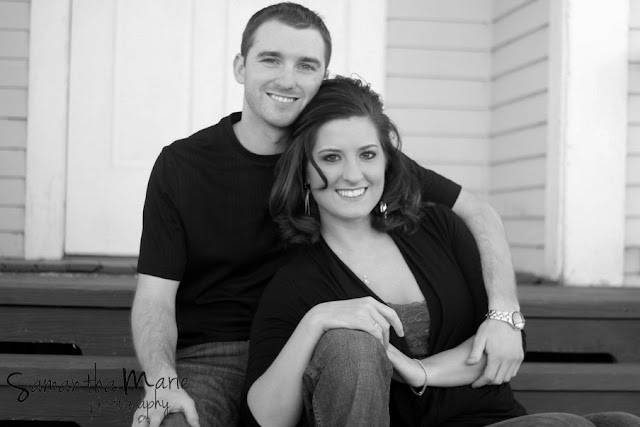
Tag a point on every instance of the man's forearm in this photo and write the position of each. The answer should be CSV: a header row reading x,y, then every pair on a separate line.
x,y
497,269
154,338
153,326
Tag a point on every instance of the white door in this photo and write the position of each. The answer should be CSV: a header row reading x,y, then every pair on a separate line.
x,y
144,73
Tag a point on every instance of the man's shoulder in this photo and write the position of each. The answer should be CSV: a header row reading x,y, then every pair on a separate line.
x,y
207,136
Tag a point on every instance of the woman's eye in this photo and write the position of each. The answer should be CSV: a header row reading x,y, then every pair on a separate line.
x,y
368,155
330,158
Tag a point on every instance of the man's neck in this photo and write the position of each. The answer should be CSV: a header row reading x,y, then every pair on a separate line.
x,y
260,138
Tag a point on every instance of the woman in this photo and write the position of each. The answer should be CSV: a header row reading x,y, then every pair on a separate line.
x,y
384,289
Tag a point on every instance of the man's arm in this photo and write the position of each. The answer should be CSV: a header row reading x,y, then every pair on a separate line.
x,y
155,334
497,339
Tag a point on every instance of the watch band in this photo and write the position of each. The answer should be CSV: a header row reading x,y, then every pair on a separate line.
x,y
507,316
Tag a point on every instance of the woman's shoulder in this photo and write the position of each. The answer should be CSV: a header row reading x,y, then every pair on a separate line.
x,y
301,283
304,262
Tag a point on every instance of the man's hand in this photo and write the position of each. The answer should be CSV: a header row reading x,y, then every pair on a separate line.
x,y
158,403
503,346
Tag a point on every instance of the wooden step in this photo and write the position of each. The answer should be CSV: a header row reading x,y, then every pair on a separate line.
x,y
578,388
88,390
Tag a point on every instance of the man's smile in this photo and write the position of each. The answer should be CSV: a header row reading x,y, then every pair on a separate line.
x,y
283,99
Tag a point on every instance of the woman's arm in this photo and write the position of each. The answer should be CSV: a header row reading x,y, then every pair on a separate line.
x,y
445,369
275,398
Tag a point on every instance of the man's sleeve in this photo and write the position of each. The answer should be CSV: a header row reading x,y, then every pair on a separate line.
x,y
435,188
162,245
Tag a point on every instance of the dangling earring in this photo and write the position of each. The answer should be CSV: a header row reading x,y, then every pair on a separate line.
x,y
307,191
383,209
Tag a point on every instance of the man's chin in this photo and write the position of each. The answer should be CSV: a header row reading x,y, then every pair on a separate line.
x,y
283,121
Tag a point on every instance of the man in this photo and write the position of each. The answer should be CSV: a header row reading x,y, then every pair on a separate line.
x,y
209,245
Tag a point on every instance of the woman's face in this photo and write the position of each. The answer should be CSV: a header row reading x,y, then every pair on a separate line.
x,y
350,155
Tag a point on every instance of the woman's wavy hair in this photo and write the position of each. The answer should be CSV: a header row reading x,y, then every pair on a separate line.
x,y
341,98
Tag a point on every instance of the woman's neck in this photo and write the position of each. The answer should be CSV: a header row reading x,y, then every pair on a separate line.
x,y
349,236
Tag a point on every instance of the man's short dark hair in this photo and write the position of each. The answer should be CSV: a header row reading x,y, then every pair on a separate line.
x,y
291,14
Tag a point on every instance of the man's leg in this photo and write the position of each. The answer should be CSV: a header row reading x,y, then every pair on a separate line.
x,y
547,419
215,373
614,419
347,381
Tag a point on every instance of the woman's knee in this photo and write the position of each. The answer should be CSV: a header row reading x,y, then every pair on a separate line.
x,y
350,351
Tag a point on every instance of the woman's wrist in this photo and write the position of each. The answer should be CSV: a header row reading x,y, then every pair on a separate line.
x,y
422,384
313,324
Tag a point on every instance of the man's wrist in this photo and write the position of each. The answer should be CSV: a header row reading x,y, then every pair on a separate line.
x,y
504,304
514,318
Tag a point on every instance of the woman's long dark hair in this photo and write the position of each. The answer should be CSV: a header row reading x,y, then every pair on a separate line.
x,y
341,98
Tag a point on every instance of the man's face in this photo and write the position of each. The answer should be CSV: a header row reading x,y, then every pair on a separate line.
x,y
282,71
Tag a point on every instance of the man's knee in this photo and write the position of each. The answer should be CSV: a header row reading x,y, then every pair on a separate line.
x,y
174,420
614,419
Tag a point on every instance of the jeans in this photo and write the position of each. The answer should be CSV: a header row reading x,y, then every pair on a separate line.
x,y
216,373
344,376
601,419
348,380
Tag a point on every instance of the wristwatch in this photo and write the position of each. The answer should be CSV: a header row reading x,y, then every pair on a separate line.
x,y
514,318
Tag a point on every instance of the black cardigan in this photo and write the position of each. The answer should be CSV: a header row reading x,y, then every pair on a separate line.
x,y
445,261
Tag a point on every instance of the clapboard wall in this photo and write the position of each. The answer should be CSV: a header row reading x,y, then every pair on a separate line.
x,y
438,87
632,232
14,60
518,144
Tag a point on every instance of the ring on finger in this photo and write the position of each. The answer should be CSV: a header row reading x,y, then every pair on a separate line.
x,y
142,418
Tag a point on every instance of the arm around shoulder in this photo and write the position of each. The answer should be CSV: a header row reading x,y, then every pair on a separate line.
x,y
497,269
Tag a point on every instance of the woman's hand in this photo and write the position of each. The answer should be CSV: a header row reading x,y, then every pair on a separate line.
x,y
364,314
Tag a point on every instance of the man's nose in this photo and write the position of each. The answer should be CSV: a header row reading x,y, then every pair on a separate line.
x,y
286,78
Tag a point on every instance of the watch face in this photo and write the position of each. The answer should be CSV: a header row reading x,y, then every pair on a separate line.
x,y
518,320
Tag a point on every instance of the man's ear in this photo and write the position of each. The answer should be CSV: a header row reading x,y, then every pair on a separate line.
x,y
326,74
238,68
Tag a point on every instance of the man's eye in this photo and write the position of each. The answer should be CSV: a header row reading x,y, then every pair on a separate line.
x,y
308,67
270,61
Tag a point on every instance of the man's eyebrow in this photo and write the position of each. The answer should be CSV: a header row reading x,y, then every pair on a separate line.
x,y
269,53
311,60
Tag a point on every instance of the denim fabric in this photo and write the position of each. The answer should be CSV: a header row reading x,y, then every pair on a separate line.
x,y
613,419
601,419
216,373
347,381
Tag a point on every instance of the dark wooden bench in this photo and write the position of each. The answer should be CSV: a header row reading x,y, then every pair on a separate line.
x,y
584,347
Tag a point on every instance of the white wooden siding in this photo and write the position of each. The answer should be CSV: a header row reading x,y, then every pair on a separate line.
x,y
438,89
632,223
519,110
14,54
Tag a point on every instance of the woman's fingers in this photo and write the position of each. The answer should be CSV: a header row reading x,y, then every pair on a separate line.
x,y
392,318
366,314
